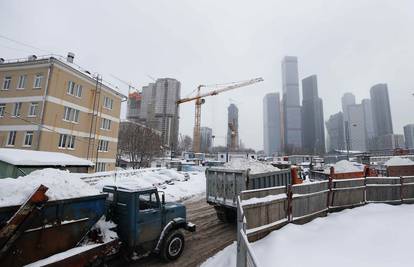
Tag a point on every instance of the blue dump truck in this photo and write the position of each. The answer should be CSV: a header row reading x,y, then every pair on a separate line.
x,y
40,228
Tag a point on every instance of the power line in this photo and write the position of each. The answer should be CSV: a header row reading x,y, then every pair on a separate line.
x,y
17,49
24,44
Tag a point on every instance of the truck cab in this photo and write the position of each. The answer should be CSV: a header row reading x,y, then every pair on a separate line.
x,y
146,223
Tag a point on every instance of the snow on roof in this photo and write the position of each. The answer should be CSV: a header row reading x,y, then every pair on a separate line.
x,y
398,161
40,158
255,166
345,166
61,184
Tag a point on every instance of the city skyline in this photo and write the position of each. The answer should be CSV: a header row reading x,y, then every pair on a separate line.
x,y
375,44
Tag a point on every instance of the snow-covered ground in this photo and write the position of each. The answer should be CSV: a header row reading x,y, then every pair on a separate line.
x,y
373,235
63,184
225,258
177,186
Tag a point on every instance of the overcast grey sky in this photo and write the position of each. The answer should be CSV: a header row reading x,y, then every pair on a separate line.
x,y
349,45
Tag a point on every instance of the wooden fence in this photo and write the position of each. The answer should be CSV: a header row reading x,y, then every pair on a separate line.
x,y
264,210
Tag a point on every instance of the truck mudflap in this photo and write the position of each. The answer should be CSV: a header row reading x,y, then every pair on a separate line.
x,y
176,223
191,227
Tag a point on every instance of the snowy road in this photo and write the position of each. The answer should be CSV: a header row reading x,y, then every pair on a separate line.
x,y
211,236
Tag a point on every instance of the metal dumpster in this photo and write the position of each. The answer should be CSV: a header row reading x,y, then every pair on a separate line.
x,y
57,227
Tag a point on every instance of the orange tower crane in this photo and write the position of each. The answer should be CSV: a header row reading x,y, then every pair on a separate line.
x,y
199,100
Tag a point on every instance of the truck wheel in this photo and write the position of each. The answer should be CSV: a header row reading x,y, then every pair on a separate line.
x,y
226,215
173,246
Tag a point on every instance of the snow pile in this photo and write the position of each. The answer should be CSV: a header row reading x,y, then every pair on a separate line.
x,y
61,184
337,239
345,166
398,161
176,185
255,166
40,158
225,258
368,242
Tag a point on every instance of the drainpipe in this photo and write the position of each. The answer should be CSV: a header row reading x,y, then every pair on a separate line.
x,y
44,103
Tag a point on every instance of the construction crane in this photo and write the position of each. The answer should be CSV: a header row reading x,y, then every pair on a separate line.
x,y
199,100
130,87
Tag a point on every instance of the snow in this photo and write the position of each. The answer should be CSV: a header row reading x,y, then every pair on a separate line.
x,y
177,186
398,161
377,235
224,258
105,231
61,184
265,199
345,166
61,256
40,158
255,166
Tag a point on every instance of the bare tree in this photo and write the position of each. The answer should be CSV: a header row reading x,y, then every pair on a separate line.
x,y
138,143
185,144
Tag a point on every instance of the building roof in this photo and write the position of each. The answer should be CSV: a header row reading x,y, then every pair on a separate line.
x,y
22,157
64,63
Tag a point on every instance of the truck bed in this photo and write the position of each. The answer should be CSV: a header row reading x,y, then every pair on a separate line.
x,y
224,185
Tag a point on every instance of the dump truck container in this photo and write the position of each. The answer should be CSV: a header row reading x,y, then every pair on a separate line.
x,y
224,185
58,226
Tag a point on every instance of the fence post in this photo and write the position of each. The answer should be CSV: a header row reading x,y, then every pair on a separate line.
x,y
365,190
241,248
289,195
329,201
401,189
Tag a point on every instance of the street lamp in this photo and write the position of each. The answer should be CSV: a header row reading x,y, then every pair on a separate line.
x,y
347,137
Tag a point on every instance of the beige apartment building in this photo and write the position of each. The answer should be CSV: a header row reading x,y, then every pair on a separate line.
x,y
51,104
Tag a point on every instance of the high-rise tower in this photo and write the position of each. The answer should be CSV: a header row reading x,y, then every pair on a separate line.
x,y
271,124
292,129
381,110
313,129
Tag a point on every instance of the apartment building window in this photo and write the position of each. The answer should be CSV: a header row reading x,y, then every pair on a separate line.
x,y
70,142
2,109
22,82
100,167
38,81
74,89
28,139
71,88
16,109
11,139
78,91
33,109
66,141
71,114
105,124
7,82
108,102
103,146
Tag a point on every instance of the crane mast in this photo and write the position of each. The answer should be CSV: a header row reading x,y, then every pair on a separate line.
x,y
199,101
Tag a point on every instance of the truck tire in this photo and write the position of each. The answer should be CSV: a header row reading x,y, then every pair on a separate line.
x,y
226,215
173,246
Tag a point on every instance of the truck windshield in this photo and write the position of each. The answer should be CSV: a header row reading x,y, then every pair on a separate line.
x,y
148,201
